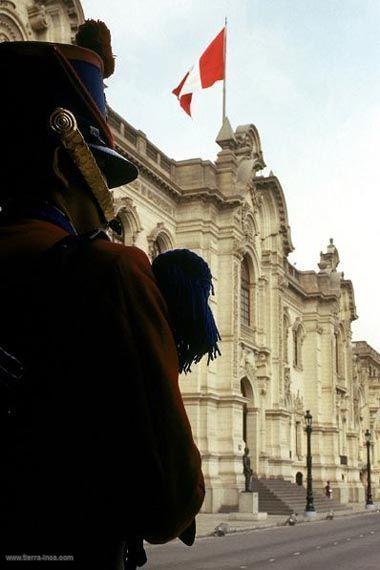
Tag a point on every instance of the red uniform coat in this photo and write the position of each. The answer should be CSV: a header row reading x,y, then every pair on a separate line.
x,y
103,440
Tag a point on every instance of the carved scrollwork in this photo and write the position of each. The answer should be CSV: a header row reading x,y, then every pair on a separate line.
x,y
247,362
283,283
239,249
287,387
257,198
10,31
37,18
152,196
249,146
298,404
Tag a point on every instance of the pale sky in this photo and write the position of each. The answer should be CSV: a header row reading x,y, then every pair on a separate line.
x,y
307,74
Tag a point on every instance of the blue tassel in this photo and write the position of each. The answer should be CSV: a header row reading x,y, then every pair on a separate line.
x,y
185,281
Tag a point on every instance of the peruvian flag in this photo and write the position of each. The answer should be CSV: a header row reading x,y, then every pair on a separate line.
x,y
209,68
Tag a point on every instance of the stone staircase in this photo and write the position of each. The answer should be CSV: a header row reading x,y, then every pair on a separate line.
x,y
280,497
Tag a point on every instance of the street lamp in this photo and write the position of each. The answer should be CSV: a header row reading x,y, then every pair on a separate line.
x,y
369,503
309,510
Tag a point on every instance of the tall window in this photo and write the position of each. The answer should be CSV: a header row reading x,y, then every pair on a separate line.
x,y
337,353
286,336
295,348
298,336
298,440
339,366
246,392
245,302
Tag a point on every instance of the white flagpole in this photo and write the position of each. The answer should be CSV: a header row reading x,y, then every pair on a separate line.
x,y
225,68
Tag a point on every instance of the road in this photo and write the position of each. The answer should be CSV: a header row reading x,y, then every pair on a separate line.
x,y
349,543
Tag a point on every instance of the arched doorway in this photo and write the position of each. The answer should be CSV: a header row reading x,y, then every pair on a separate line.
x,y
299,478
249,422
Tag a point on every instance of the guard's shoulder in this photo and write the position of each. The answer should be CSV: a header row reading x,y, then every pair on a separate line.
x,y
127,258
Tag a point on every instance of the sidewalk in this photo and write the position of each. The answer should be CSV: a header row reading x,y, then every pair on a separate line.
x,y
207,523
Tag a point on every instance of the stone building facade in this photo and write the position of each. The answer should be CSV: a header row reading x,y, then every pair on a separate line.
x,y
366,405
287,344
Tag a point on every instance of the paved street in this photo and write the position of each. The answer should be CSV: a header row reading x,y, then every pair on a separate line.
x,y
350,543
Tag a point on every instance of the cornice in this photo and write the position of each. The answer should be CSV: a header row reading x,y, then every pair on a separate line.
x,y
363,350
150,172
199,397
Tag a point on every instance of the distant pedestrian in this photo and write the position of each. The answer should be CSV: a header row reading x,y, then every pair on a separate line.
x,y
328,490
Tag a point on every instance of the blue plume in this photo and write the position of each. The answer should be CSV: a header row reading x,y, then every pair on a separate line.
x,y
185,281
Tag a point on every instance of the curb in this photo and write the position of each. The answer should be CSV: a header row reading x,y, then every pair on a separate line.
x,y
322,518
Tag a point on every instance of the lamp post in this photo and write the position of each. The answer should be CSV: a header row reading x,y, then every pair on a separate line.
x,y
369,502
309,510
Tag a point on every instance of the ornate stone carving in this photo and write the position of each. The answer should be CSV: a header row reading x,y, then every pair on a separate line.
x,y
283,282
37,18
239,249
287,387
298,404
249,147
10,31
247,224
17,24
262,373
245,221
153,197
330,260
247,362
256,197
7,5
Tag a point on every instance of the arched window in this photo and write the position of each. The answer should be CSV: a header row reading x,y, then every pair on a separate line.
x,y
298,337
337,353
158,247
159,241
339,366
116,233
246,392
295,348
286,337
120,230
245,300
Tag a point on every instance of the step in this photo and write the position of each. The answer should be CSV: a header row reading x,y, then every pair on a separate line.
x,y
277,496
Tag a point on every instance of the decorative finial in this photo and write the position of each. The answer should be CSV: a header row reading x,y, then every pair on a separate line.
x,y
329,260
226,137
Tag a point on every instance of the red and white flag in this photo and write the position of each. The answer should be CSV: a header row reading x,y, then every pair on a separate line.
x,y
209,69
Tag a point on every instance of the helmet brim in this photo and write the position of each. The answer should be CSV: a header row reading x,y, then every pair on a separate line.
x,y
115,167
